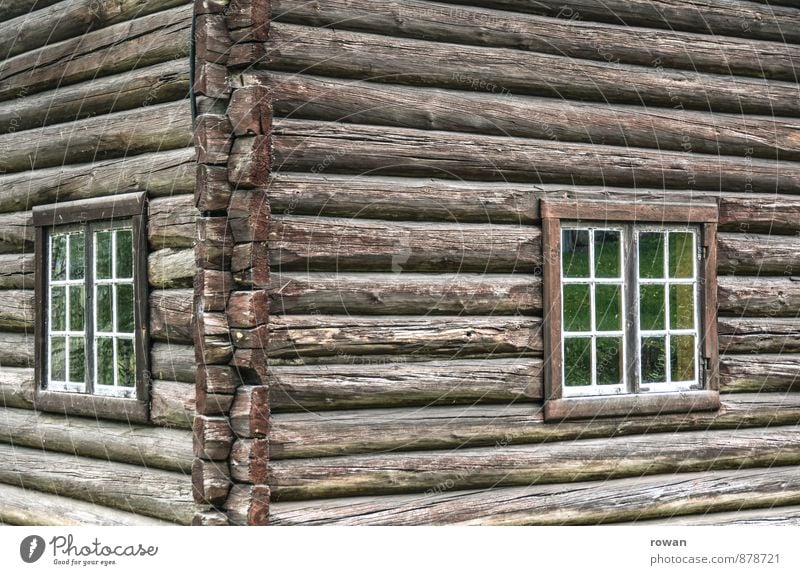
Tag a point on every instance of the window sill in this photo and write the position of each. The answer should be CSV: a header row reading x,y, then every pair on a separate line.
x,y
629,404
131,410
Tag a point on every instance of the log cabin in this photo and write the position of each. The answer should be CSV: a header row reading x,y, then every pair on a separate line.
x,y
372,262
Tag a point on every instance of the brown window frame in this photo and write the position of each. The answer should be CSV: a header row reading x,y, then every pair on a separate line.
x,y
130,207
705,216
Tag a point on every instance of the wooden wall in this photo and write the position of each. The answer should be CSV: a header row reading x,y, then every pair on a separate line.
x,y
94,102
411,141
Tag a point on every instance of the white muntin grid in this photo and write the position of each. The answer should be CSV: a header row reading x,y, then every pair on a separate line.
x,y
593,333
668,332
114,336
66,384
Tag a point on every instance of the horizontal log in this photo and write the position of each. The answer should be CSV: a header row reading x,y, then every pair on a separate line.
x,y
210,519
758,254
210,482
154,492
159,174
567,37
118,48
779,373
776,516
16,310
213,437
573,461
250,412
739,18
315,146
315,98
173,362
396,294
169,449
139,131
138,88
22,506
357,55
16,233
172,404
171,268
13,8
457,337
632,499
756,213
17,386
759,297
16,271
171,222
248,505
449,382
16,349
759,335
333,244
171,316
335,433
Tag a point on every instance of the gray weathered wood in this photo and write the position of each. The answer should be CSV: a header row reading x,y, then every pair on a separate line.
x,y
16,349
172,404
171,316
584,503
16,233
759,297
171,222
171,268
147,446
16,271
16,310
173,362
776,516
17,387
765,373
758,254
771,214
12,8
759,335
154,492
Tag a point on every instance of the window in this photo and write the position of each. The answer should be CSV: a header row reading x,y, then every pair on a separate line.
x,y
91,340
630,300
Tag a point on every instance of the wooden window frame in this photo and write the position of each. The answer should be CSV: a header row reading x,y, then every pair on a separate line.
x,y
105,212
705,216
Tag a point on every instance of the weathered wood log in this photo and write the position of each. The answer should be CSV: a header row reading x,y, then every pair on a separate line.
x,y
397,294
250,412
16,271
307,145
173,362
585,503
344,336
214,248
145,41
334,433
210,519
338,53
213,404
171,222
211,80
759,335
138,88
310,97
218,379
160,174
154,492
17,386
248,20
567,37
169,449
250,265
250,162
13,8
16,233
159,127
760,214
776,516
717,17
212,339
779,373
333,244
248,505
212,191
213,437
247,309
758,254
172,404
759,297
211,482
212,288
249,216
212,138
171,315
16,310
582,460
70,19
211,38
16,349
449,382
24,506
171,268
249,461
250,111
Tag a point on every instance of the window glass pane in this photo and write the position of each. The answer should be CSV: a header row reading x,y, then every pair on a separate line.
x,y
681,306
681,254
609,360
125,308
105,361
125,363
76,256
102,254
58,258
682,354
577,361
104,304
608,301
575,253
124,254
58,358
651,255
77,360
654,359
651,307
58,308
577,307
76,313
606,254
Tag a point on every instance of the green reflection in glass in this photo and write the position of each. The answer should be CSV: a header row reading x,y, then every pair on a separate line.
x,y
609,360
575,253
651,307
125,308
654,359
606,254
577,307
58,308
125,363
651,255
76,311
103,307
58,258
102,254
76,256
681,254
682,356
105,361
77,360
577,361
681,306
58,358
608,302
124,254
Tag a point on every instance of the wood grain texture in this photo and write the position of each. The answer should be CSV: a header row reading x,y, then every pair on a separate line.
x,y
172,404
777,516
758,297
16,349
763,373
17,386
758,254
173,362
759,335
16,271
